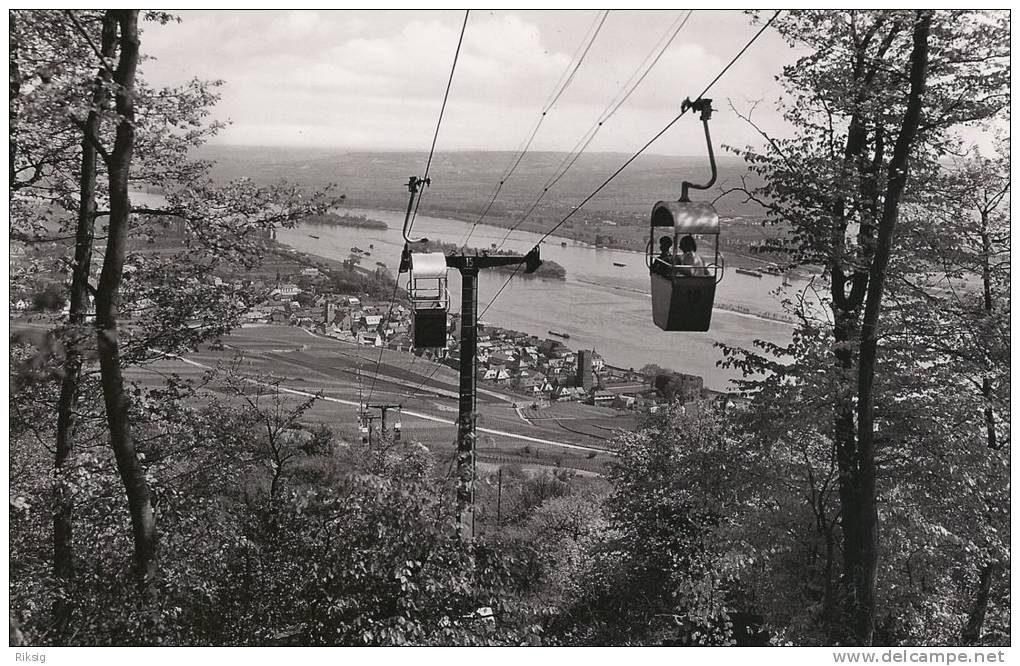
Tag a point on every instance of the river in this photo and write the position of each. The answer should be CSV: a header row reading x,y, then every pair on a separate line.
x,y
602,306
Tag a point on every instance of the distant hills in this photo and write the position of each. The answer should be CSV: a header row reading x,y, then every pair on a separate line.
x,y
463,183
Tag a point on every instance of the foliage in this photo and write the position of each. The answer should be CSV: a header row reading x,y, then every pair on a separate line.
x,y
272,532
367,562
86,136
48,297
659,573
377,284
861,179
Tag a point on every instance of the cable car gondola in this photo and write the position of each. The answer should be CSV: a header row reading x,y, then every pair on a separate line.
x,y
430,299
683,294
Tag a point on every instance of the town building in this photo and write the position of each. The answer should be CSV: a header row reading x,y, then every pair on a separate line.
x,y
329,312
690,388
287,290
583,377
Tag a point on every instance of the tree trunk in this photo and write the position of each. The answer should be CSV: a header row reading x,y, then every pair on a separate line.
x,y
13,91
846,314
63,549
975,622
972,632
847,307
830,607
861,543
986,281
845,330
107,294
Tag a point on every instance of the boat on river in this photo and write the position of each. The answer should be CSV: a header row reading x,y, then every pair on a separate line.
x,y
565,336
313,236
617,263
745,271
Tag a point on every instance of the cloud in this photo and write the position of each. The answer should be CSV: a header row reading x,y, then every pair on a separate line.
x,y
377,78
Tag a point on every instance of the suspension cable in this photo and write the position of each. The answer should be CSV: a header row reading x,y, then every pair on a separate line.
x,y
570,78
428,165
554,96
439,122
614,105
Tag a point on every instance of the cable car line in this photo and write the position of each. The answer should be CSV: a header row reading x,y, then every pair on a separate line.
x,y
630,160
432,150
623,166
570,78
554,96
663,130
614,105
424,180
564,82
654,62
437,365
442,110
678,303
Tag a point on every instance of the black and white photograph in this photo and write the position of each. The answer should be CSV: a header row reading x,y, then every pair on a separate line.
x,y
681,328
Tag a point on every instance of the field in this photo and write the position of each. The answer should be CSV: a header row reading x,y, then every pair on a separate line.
x,y
566,434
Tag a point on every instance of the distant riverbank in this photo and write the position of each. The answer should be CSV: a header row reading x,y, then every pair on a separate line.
x,y
620,237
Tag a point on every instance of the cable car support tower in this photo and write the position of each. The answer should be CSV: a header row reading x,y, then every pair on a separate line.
x,y
468,265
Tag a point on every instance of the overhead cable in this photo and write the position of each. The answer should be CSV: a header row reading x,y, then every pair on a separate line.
x,y
558,90
428,165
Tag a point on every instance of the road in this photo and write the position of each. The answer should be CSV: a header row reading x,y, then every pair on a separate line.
x,y
565,434
418,415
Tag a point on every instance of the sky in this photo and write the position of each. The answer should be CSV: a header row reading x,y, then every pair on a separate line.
x,y
374,80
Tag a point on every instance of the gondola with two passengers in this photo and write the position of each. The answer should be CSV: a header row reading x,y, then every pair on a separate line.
x,y
683,284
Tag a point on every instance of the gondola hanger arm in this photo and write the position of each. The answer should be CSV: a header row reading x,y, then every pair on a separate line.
x,y
704,106
414,184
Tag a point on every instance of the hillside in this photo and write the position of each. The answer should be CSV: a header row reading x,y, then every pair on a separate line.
x,y
463,184
467,180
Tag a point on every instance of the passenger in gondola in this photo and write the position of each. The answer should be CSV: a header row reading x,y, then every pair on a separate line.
x,y
666,249
691,262
663,264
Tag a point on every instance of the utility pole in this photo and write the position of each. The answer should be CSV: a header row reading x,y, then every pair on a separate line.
x,y
469,265
499,499
366,427
383,409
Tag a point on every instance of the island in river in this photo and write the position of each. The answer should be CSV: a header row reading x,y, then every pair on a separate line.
x,y
335,220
